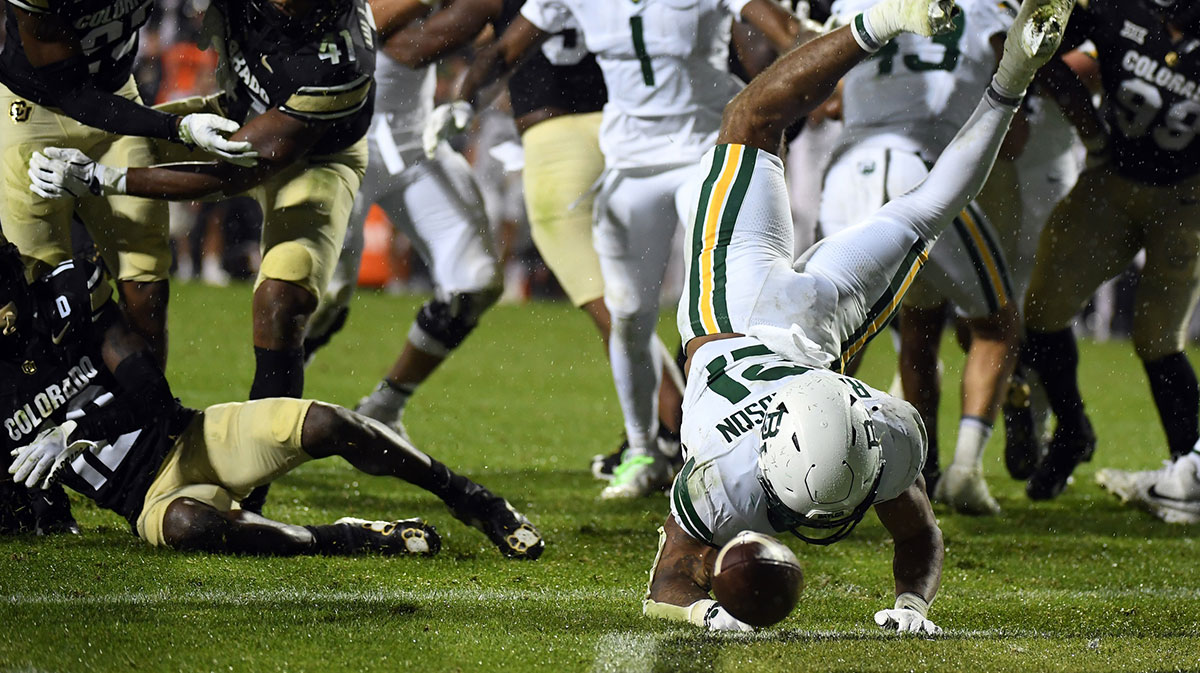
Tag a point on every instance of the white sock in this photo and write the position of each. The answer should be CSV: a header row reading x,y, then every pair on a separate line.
x,y
973,436
392,397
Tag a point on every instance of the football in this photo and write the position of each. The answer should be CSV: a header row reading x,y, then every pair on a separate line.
x,y
757,579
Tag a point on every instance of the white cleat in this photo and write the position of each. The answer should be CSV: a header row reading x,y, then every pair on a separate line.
x,y
385,414
638,476
966,491
1171,493
1032,39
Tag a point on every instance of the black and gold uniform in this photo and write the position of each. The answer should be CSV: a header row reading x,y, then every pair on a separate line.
x,y
1146,197
561,86
149,449
319,71
88,102
53,370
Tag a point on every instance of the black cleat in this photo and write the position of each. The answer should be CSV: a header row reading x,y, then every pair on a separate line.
x,y
603,466
1022,446
406,536
1067,450
507,528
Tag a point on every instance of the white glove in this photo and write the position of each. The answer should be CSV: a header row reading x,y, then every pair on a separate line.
x,y
41,459
56,172
908,616
717,618
445,121
209,131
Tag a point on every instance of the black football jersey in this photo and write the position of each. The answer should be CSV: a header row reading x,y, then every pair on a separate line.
x,y
1151,92
107,31
560,74
328,78
61,376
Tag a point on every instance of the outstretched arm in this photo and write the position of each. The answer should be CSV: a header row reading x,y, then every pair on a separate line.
x,y
789,89
444,31
917,560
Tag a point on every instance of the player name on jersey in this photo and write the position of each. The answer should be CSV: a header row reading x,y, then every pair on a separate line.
x,y
1159,74
29,416
745,419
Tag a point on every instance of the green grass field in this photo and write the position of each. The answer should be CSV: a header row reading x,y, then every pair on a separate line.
x,y
1077,584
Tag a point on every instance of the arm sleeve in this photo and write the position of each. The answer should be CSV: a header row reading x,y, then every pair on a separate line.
x,y
79,98
547,15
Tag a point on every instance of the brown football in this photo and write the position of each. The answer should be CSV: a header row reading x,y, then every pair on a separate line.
x,y
757,579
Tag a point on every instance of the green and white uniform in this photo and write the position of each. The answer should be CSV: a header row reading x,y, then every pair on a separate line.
x,y
730,387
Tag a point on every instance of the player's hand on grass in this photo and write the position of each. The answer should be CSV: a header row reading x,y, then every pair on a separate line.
x,y
718,619
38,462
444,122
210,133
906,620
57,172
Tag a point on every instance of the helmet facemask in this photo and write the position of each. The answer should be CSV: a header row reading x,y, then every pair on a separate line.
x,y
820,463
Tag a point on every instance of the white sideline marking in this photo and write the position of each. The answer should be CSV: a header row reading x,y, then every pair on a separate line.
x,y
228,597
625,652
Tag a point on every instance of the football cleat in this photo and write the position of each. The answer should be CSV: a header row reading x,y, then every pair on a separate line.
x,y
508,529
1066,451
406,536
1032,39
966,491
1022,448
638,476
1172,493
669,445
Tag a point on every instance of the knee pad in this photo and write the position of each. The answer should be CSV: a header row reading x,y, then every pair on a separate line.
x,y
292,262
442,325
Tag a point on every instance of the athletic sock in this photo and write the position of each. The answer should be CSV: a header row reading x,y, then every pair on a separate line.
x,y
973,435
334,539
392,397
449,487
1173,386
277,373
932,459
1055,358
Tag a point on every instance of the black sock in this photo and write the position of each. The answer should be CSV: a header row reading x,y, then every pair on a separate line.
x,y
450,487
1055,358
277,373
1173,385
334,539
932,459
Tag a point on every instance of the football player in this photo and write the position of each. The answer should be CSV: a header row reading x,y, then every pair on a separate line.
x,y
664,65
557,93
66,81
1140,194
298,75
900,110
776,439
83,402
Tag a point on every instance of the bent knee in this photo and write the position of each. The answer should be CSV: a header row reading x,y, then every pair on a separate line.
x,y
191,525
325,425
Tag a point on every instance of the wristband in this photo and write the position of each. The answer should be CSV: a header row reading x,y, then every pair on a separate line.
x,y
910,601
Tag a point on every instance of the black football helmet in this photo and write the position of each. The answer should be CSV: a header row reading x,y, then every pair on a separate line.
x,y
16,307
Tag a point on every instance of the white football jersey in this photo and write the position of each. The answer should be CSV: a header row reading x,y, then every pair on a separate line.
x,y
403,101
730,387
664,63
919,87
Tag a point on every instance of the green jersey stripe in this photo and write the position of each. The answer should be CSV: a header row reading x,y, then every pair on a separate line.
x,y
683,504
985,282
737,194
997,253
698,239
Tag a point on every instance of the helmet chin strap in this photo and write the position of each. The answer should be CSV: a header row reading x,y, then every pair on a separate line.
x,y
783,518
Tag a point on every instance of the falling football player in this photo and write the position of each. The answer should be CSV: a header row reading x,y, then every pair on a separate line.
x,y
85,403
775,438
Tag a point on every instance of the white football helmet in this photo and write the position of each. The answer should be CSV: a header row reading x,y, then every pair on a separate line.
x,y
820,462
